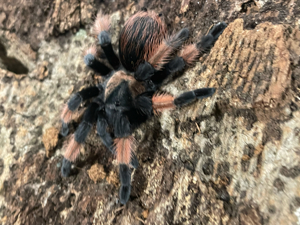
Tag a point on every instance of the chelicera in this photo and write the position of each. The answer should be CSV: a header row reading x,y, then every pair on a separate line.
x,y
129,94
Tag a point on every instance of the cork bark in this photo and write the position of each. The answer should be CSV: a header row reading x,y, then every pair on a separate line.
x,y
231,159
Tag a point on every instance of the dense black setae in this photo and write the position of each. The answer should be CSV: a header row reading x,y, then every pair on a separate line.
x,y
128,96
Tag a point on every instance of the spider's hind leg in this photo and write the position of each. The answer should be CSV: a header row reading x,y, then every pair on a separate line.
x,y
101,29
188,55
161,57
208,41
173,66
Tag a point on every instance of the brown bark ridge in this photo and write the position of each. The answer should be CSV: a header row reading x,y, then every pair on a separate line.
x,y
230,159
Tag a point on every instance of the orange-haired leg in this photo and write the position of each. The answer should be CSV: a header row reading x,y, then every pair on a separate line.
x,y
160,58
124,152
124,149
187,57
164,102
102,23
167,47
76,141
189,54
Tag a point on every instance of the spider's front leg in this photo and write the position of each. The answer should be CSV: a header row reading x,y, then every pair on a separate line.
x,y
80,135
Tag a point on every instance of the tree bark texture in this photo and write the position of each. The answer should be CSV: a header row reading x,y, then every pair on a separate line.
x,y
230,159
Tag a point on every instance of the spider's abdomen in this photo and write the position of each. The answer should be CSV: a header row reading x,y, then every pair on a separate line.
x,y
139,38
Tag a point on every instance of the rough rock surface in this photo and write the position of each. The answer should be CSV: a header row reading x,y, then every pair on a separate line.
x,y
230,159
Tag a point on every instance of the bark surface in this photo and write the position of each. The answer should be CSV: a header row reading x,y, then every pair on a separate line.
x,y
230,159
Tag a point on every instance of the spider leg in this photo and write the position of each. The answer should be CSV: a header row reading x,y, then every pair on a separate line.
x,y
143,105
93,63
77,139
191,53
134,161
208,41
73,104
188,55
125,178
102,132
162,55
101,30
105,42
188,97
125,157
165,101
173,66
167,48
108,141
120,123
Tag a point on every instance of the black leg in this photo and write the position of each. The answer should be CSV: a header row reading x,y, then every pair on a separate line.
x,y
167,48
73,148
83,95
188,55
93,63
125,178
64,129
104,135
73,104
159,65
177,40
121,125
134,161
173,66
144,72
66,168
208,41
143,104
105,42
119,121
190,96
85,126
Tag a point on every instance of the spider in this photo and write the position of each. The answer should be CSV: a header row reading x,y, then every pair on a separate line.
x,y
129,94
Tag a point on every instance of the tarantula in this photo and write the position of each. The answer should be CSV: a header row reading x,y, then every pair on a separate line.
x,y
128,96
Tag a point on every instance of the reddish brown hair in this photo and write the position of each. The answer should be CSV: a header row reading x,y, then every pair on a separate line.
x,y
140,37
161,102
124,149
